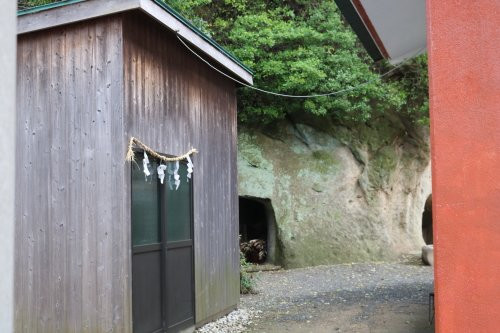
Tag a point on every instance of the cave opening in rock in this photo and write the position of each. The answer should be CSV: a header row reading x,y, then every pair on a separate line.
x,y
257,230
427,221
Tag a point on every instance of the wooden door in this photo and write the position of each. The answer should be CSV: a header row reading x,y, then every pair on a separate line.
x,y
162,248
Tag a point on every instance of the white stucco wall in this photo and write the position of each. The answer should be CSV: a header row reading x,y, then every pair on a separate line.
x,y
7,181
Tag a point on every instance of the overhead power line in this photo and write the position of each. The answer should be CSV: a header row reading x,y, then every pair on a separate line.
x,y
338,92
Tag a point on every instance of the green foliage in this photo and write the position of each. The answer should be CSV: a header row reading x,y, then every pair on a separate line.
x,y
413,83
302,47
22,4
247,283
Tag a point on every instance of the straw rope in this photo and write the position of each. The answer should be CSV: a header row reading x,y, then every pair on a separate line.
x,y
135,142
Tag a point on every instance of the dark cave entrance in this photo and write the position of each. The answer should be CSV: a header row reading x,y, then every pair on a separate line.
x,y
427,221
257,230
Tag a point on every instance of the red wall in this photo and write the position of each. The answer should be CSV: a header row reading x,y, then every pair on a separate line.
x,y
464,53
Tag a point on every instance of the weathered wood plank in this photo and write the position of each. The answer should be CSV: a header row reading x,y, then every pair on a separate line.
x,y
74,271
89,189
58,178
42,196
120,228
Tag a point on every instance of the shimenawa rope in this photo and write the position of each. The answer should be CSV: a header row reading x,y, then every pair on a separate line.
x,y
135,142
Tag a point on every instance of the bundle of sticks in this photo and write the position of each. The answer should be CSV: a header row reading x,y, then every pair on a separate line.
x,y
254,250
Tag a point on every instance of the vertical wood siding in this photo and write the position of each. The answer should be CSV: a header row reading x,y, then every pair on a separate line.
x,y
72,238
174,102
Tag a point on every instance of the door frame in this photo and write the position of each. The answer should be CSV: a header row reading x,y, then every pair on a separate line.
x,y
164,248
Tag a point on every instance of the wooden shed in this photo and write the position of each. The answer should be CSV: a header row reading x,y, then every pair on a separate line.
x,y
98,247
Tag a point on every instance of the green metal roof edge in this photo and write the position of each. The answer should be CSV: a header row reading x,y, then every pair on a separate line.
x,y
47,6
160,3
191,26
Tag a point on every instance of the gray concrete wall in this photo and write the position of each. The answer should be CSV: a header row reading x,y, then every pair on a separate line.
x,y
7,165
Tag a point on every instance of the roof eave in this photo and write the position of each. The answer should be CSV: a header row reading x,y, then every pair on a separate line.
x,y
72,11
354,19
390,29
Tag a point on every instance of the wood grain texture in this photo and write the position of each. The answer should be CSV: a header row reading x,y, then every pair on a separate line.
x,y
72,239
174,102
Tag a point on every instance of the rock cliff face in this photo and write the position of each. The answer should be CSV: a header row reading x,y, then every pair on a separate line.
x,y
339,194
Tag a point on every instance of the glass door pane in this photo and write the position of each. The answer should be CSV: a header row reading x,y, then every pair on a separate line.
x,y
145,209
178,209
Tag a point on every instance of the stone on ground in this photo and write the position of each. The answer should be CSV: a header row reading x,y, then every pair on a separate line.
x,y
428,254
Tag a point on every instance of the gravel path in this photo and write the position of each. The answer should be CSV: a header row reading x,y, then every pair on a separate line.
x,y
372,297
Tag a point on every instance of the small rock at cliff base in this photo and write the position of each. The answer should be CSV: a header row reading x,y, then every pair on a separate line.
x,y
428,255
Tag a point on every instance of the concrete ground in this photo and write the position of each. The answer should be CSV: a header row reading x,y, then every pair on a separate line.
x,y
369,297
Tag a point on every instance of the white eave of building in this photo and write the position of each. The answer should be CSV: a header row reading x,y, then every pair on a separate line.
x,y
390,29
